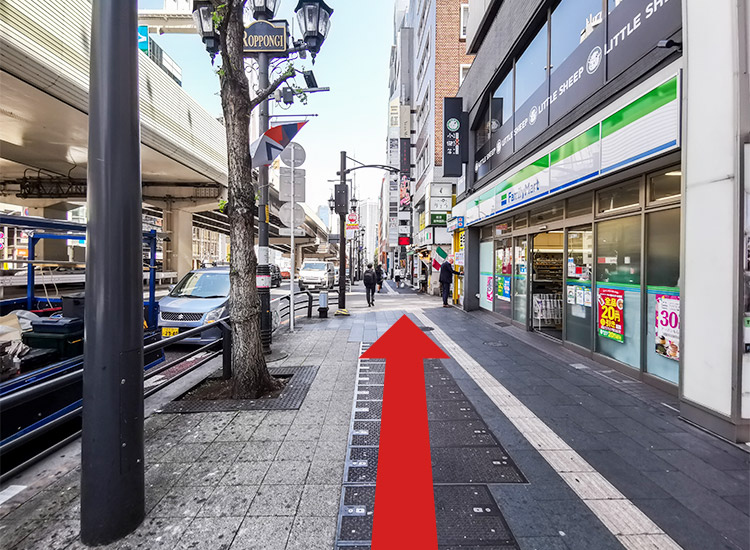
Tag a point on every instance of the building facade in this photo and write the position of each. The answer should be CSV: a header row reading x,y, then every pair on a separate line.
x,y
427,63
602,200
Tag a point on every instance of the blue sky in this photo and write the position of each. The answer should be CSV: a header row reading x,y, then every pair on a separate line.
x,y
354,63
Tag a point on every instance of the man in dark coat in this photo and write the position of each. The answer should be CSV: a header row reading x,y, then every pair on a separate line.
x,y
370,279
446,278
379,275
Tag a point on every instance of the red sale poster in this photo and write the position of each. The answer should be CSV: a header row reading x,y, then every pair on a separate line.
x,y
611,313
667,327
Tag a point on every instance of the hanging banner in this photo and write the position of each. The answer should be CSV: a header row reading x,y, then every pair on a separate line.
x,y
667,326
265,149
612,314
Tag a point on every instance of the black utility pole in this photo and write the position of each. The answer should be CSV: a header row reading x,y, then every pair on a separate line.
x,y
342,207
264,270
112,467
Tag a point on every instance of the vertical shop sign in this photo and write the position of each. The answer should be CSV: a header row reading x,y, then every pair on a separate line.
x,y
612,314
455,137
667,326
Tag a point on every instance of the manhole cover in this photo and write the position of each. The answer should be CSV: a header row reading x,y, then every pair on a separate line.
x,y
496,344
426,329
502,324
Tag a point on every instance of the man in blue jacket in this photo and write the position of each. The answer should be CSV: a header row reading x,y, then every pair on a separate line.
x,y
446,278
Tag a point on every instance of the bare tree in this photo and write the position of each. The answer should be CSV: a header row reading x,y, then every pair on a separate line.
x,y
250,373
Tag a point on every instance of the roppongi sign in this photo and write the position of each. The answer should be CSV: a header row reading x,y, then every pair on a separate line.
x,y
632,30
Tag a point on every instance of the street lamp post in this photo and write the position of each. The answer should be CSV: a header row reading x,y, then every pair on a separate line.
x,y
341,203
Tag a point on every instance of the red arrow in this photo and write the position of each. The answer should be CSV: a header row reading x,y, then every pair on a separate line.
x,y
404,515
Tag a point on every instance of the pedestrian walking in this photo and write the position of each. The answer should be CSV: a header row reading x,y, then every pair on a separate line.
x,y
446,278
379,275
370,279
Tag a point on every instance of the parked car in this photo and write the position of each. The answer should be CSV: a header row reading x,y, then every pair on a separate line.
x,y
336,277
316,274
200,298
275,276
286,274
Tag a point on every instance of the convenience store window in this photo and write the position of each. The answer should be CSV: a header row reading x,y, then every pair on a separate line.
x,y
663,300
664,187
618,290
619,198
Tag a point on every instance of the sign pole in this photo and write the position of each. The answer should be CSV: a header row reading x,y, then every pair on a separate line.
x,y
291,281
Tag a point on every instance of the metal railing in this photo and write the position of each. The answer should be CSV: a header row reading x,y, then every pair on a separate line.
x,y
221,346
74,410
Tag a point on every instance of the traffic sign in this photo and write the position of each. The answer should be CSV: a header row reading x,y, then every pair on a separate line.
x,y
299,155
287,232
285,213
285,184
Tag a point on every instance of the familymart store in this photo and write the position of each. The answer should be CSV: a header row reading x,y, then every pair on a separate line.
x,y
581,243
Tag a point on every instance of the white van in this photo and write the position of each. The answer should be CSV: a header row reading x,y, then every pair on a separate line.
x,y
316,275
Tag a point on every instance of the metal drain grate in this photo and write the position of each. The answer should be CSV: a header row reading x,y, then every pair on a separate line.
x,y
468,516
465,455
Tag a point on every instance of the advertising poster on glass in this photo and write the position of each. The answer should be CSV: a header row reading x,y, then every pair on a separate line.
x,y
611,316
667,327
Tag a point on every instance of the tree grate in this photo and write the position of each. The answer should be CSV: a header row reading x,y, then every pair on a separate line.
x,y
291,397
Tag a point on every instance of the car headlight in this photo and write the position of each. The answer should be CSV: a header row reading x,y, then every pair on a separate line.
x,y
215,314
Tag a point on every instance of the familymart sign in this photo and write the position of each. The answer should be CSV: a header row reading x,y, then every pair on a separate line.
x,y
646,127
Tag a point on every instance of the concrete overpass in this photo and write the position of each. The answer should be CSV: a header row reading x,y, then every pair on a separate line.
x,y
44,80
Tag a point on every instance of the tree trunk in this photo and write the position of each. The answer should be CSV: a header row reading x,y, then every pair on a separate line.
x,y
250,373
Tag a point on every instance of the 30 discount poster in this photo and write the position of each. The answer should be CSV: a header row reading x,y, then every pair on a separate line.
x,y
612,313
667,328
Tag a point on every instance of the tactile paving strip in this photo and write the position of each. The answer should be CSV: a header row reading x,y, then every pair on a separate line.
x,y
291,397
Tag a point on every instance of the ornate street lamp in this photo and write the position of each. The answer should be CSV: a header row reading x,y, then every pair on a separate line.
x,y
264,8
332,203
203,12
314,22
353,203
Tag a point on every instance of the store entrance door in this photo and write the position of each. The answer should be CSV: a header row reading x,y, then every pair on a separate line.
x,y
547,283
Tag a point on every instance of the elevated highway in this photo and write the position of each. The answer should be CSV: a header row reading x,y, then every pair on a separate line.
x,y
44,82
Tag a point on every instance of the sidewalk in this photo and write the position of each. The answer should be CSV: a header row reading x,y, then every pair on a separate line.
x,y
533,447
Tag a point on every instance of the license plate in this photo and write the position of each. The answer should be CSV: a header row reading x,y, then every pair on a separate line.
x,y
168,332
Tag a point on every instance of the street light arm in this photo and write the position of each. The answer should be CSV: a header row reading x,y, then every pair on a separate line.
x,y
391,169
264,94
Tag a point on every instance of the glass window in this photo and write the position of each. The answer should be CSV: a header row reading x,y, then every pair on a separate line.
x,y
549,213
519,280
665,186
662,278
619,197
579,205
579,302
483,128
502,102
521,221
618,290
531,67
486,232
573,21
612,4
504,228
503,275
203,284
